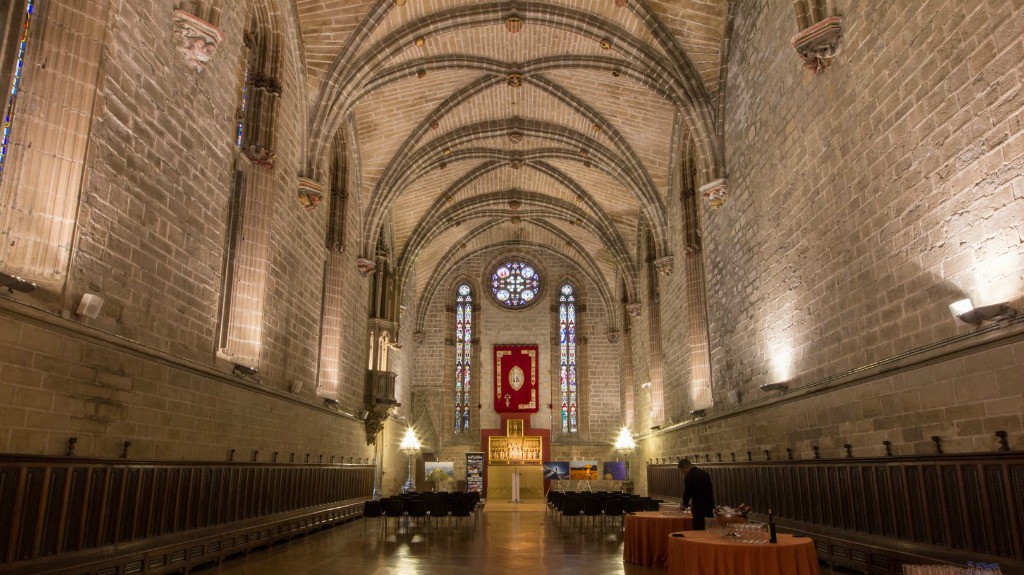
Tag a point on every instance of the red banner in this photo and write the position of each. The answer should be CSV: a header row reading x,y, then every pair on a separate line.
x,y
515,379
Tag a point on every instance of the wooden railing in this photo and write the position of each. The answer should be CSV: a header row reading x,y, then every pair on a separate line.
x,y
63,507
944,507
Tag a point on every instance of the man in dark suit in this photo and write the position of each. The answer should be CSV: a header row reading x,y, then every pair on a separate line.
x,y
698,491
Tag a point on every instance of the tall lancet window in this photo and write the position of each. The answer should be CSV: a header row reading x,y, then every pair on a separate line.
x,y
12,94
248,252
567,359
463,355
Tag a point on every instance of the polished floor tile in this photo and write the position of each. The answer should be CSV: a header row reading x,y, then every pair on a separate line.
x,y
504,542
524,542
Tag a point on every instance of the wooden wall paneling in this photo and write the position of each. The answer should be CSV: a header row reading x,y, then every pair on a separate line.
x,y
9,480
130,506
973,503
917,513
35,512
952,490
973,496
56,511
1015,485
938,515
75,510
999,504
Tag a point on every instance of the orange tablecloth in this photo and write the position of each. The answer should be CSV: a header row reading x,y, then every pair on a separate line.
x,y
703,553
646,539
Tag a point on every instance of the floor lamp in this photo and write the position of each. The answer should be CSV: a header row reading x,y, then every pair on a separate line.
x,y
625,445
410,447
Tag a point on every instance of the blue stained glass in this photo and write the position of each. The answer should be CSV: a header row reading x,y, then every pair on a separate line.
x,y
515,284
463,346
19,65
567,353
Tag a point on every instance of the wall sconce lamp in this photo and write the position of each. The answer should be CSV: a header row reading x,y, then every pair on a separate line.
x,y
965,311
698,413
774,386
244,370
14,283
330,402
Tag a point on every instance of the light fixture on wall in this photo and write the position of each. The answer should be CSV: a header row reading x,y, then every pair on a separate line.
x,y
90,306
14,283
965,311
779,386
698,413
244,370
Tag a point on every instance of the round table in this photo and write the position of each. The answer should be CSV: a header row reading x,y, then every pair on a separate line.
x,y
646,538
703,553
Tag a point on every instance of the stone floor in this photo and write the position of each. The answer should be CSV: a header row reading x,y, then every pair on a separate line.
x,y
524,542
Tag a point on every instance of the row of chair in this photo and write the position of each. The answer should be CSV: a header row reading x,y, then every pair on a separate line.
x,y
602,505
423,508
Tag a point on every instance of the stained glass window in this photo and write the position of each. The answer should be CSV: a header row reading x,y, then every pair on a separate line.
x,y
12,96
463,355
515,284
567,356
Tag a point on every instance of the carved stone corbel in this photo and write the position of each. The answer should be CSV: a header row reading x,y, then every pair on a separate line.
x,y
819,43
374,424
365,266
715,193
664,265
633,309
614,336
196,39
311,193
419,337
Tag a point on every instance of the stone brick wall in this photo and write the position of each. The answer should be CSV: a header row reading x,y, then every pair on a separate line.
x,y
862,202
62,381
601,414
151,237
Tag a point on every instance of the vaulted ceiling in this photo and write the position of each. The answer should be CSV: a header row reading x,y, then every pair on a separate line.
x,y
471,131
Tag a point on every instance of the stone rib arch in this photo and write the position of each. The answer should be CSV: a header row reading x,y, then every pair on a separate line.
x,y
654,78
496,205
496,209
403,172
351,69
450,260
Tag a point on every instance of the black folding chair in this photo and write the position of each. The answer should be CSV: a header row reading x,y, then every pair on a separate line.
x,y
372,509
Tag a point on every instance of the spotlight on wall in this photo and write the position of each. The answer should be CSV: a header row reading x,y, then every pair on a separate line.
x,y
774,386
14,283
698,413
244,370
330,402
965,311
89,306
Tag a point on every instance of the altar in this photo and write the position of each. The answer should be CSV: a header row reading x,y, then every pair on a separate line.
x,y
515,465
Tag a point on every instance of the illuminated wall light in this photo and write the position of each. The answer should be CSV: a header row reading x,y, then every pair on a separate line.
x,y
958,307
782,363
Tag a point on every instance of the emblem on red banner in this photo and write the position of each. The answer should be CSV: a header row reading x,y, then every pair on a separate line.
x,y
515,379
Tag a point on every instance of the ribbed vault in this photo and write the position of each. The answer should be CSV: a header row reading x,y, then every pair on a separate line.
x,y
556,136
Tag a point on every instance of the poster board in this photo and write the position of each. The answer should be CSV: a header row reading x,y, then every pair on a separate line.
x,y
475,471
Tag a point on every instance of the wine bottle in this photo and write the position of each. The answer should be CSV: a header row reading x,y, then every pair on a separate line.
x,y
772,536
